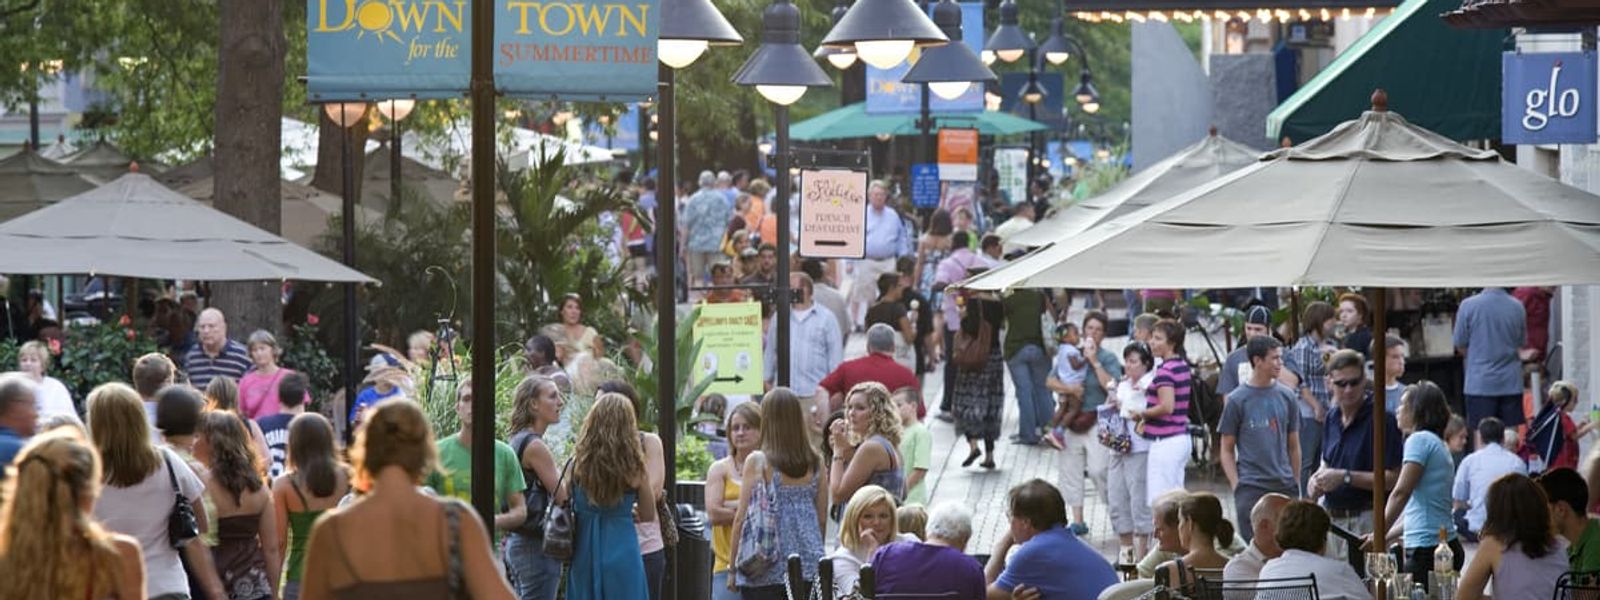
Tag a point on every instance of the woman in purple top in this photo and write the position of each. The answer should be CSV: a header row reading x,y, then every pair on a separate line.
x,y
1165,420
937,566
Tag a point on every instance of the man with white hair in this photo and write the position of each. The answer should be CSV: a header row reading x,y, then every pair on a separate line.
x,y
1264,518
704,220
215,355
877,366
19,413
936,566
726,188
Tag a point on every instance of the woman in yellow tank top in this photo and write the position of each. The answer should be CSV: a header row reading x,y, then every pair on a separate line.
x,y
723,483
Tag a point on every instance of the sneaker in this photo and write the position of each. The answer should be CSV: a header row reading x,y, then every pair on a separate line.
x,y
1080,529
1055,442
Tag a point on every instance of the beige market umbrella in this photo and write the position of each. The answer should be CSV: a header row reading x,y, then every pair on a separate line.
x,y
306,210
29,181
1208,159
135,227
1375,202
103,162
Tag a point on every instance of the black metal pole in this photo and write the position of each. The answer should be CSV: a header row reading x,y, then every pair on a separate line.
x,y
394,163
781,116
352,339
644,145
666,287
33,119
926,152
483,168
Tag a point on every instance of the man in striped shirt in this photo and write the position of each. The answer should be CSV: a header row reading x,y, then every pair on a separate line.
x,y
215,354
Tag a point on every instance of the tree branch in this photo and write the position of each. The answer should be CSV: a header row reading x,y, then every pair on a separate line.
x,y
7,13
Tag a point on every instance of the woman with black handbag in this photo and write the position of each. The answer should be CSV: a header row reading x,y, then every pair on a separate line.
x,y
150,493
980,376
536,405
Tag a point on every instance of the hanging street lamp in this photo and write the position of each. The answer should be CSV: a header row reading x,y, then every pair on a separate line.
x,y
883,32
1008,42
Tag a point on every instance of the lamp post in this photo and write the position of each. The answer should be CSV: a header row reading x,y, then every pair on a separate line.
x,y
883,32
841,57
1032,94
947,71
347,115
395,111
688,27
781,70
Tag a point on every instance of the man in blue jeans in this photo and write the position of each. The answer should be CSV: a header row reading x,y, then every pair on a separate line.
x,y
1029,366
1491,327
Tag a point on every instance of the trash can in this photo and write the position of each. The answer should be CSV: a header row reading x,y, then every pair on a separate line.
x,y
692,576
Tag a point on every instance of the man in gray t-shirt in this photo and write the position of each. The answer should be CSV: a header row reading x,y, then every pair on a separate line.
x,y
1236,368
1261,433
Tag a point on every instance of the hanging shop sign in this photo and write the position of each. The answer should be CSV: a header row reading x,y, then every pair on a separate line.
x,y
958,154
925,185
833,213
1548,98
729,340
375,49
1011,166
886,94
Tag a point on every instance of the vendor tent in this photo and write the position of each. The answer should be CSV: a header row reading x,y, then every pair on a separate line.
x,y
29,181
854,121
1204,161
437,186
1375,202
306,210
135,227
103,162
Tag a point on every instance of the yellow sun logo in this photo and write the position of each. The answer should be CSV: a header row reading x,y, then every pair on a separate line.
x,y
375,17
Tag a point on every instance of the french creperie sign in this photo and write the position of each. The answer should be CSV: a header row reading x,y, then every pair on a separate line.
x,y
377,49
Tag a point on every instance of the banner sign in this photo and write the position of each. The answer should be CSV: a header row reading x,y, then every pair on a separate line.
x,y
925,185
833,213
376,49
887,95
1548,98
958,154
1011,165
729,336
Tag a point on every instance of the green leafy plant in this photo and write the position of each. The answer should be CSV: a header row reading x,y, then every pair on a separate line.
x,y
694,459
439,400
8,353
644,378
303,352
100,353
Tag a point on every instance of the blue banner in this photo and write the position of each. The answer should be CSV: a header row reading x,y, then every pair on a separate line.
x,y
887,95
1548,98
375,49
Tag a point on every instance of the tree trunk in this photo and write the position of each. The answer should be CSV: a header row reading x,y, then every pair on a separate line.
x,y
248,142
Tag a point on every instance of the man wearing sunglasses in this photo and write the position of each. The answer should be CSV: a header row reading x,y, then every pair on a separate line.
x,y
1345,478
1260,430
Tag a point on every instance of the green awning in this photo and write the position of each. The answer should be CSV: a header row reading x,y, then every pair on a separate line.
x,y
1443,79
853,122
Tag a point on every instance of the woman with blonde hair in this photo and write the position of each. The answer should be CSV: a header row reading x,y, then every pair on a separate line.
x,y
869,522
53,398
247,552
141,483
865,444
396,542
724,481
314,484
50,544
608,486
536,405
791,474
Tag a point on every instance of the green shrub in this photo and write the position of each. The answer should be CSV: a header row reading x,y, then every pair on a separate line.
x,y
101,353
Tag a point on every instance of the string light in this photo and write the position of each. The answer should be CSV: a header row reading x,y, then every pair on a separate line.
x,y
1262,14
1158,16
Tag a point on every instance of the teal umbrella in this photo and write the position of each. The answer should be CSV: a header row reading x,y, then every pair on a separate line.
x,y
853,122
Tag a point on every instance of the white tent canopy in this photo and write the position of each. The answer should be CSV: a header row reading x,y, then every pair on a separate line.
x,y
135,227
1208,159
1376,202
526,148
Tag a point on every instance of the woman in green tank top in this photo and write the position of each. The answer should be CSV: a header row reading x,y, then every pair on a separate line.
x,y
315,482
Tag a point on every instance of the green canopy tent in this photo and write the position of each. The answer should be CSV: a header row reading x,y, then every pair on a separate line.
x,y
1443,79
853,122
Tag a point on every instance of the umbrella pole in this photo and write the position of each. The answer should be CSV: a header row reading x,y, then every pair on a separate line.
x,y
1380,326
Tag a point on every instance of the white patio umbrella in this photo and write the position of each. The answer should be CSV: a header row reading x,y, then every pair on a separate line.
x,y
1375,202
135,227
1208,159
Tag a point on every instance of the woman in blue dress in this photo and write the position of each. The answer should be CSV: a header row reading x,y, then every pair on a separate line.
x,y
608,487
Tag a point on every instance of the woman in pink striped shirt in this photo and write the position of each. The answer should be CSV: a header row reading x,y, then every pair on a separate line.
x,y
1165,420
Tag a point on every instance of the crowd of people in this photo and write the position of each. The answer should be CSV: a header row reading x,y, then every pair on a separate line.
x,y
210,476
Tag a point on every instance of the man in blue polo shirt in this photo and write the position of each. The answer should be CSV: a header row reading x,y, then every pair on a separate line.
x,y
1345,480
215,355
18,413
1491,327
1051,560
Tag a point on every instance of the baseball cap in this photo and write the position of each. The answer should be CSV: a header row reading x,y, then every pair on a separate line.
x,y
1258,315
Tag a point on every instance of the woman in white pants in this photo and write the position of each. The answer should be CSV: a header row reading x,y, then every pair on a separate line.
x,y
1165,418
